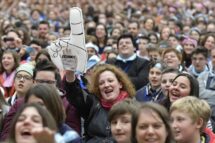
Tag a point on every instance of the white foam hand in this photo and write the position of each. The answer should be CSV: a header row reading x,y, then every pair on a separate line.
x,y
69,53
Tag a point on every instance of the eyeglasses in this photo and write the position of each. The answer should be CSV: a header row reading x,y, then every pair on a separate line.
x,y
24,77
45,81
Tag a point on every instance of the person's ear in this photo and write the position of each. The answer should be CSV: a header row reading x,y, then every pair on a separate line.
x,y
199,123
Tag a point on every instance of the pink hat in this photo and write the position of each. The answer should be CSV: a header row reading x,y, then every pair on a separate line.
x,y
190,40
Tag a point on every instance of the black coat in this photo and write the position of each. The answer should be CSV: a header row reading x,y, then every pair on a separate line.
x,y
137,70
97,127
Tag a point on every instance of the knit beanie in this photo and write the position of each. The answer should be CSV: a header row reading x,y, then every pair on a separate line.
x,y
27,68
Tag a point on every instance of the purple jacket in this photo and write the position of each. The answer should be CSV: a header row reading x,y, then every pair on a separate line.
x,y
72,117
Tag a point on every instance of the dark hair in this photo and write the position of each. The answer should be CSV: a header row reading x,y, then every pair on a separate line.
x,y
26,37
45,66
143,37
194,84
106,36
42,52
47,119
44,22
125,36
153,34
51,99
149,17
134,21
160,111
201,50
35,41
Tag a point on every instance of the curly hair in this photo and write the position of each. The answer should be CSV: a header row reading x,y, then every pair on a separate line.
x,y
120,75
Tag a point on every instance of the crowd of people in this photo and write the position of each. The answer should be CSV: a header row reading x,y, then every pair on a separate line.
x,y
150,73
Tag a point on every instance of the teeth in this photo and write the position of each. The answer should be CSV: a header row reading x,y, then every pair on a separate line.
x,y
150,140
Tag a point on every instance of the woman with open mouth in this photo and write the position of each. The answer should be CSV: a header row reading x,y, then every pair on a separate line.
x,y
28,122
109,85
9,63
183,85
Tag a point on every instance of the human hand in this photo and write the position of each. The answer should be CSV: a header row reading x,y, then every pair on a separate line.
x,y
43,135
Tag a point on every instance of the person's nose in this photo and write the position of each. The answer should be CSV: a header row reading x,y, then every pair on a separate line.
x,y
118,125
174,124
150,130
168,84
106,84
27,121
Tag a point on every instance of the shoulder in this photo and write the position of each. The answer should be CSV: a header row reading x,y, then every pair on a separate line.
x,y
140,93
140,61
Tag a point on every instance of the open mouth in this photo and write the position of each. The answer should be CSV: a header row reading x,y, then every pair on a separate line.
x,y
26,134
20,85
108,91
175,95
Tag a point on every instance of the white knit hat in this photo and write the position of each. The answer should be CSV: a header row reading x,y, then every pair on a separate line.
x,y
27,68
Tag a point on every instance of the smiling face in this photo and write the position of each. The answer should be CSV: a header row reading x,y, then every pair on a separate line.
x,y
150,128
165,33
184,128
43,30
171,60
8,62
166,81
179,88
133,29
188,48
27,120
126,47
121,128
210,43
149,24
100,31
109,86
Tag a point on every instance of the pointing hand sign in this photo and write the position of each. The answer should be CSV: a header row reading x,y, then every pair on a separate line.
x,y
69,53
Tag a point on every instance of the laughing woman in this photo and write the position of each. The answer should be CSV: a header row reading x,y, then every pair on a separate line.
x,y
29,120
9,63
183,85
109,85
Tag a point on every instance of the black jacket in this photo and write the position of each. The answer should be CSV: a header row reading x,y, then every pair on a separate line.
x,y
137,70
97,127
